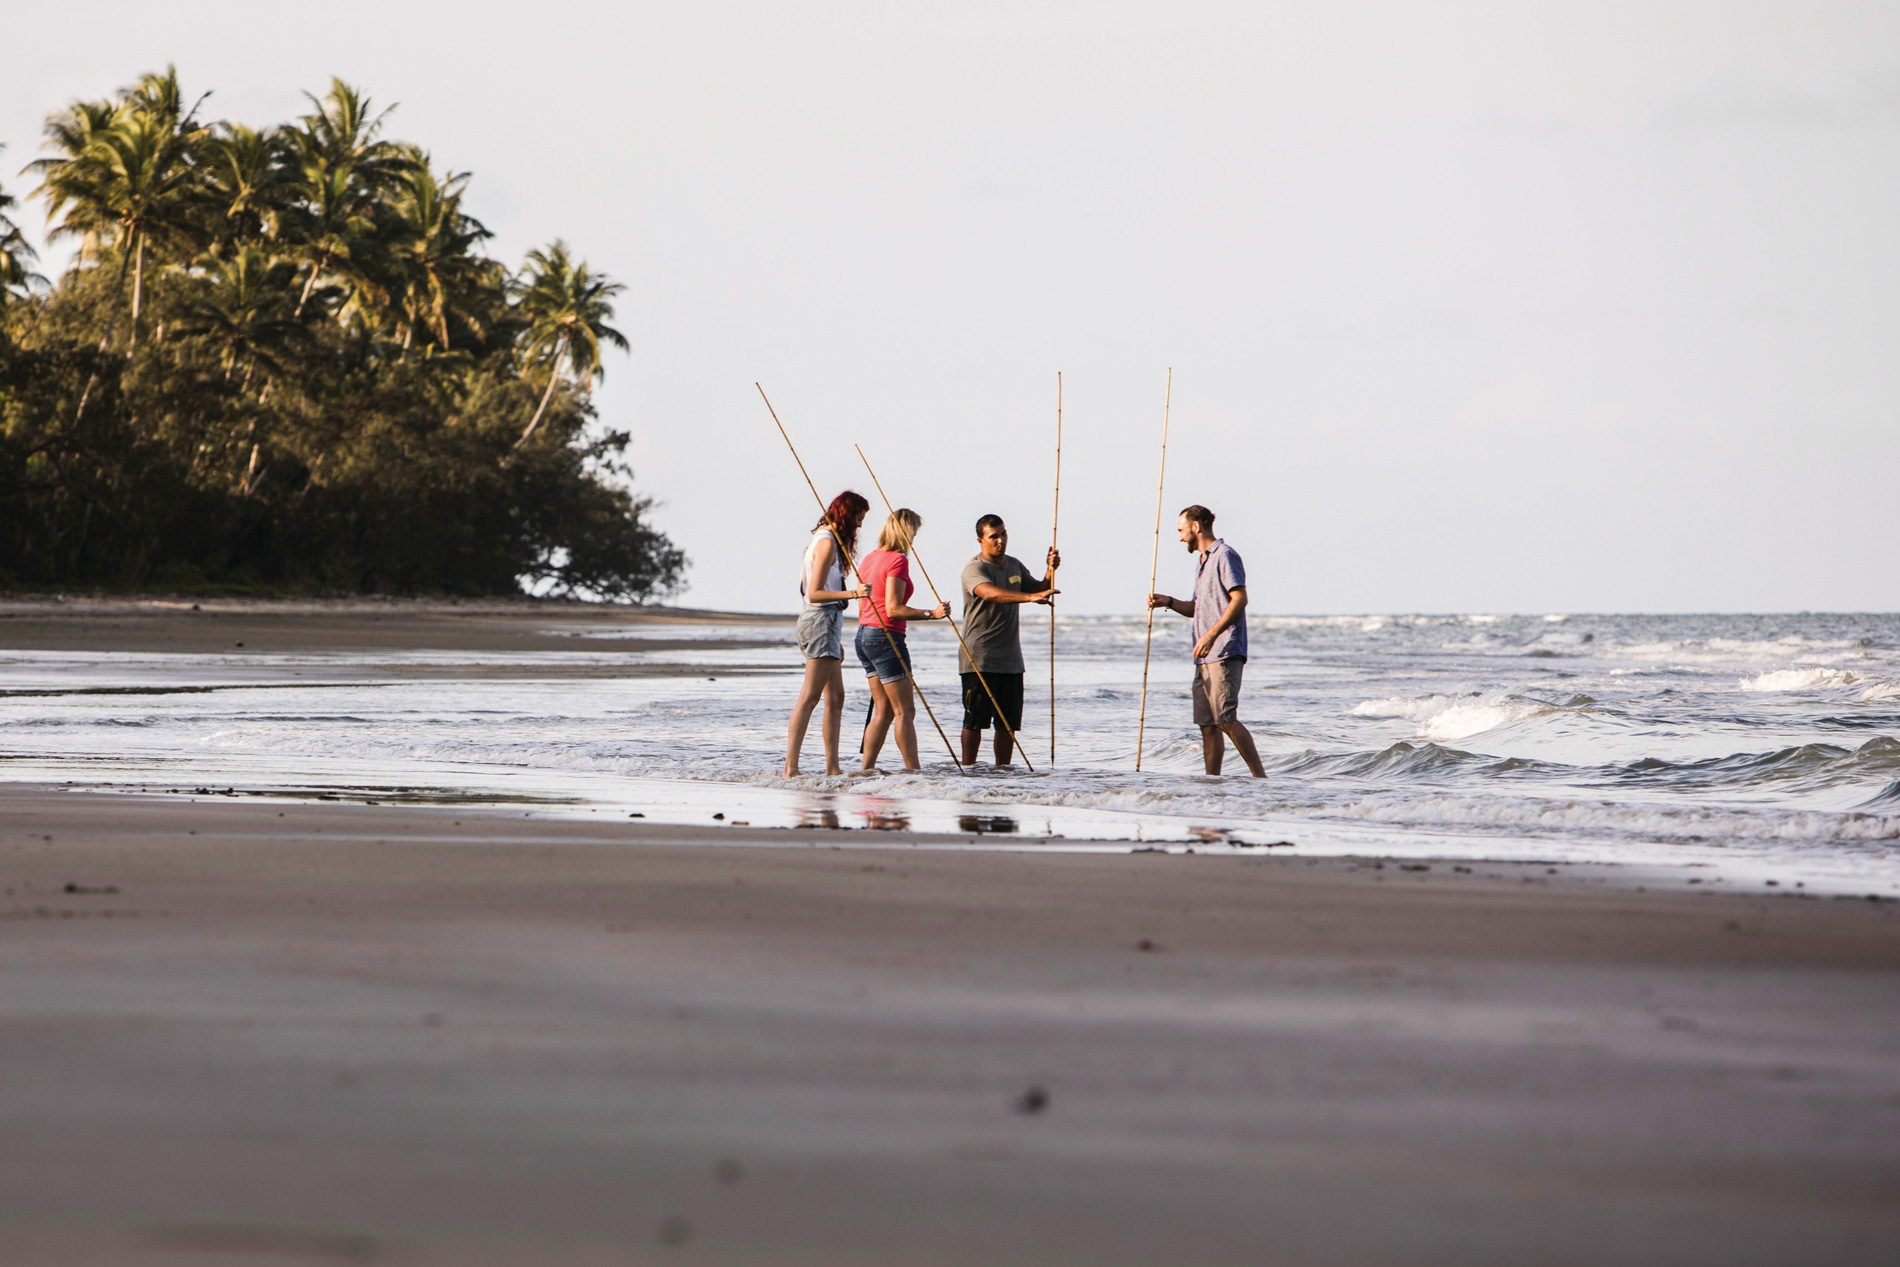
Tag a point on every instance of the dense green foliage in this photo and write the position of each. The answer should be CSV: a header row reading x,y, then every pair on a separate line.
x,y
281,361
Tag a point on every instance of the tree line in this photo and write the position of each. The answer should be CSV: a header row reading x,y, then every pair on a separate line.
x,y
281,361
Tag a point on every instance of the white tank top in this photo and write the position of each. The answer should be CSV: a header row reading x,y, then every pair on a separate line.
x,y
834,576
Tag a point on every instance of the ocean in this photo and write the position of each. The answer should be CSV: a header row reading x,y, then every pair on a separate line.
x,y
1741,749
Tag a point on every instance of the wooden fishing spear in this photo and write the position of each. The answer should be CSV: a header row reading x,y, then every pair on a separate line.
x,y
1055,519
1154,565
845,554
911,545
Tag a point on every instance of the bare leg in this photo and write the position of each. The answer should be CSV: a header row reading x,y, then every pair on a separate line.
x,y
1213,748
1002,746
834,711
815,683
1243,744
881,713
972,740
906,708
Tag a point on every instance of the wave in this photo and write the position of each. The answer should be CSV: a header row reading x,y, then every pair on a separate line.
x,y
1400,761
1814,679
1448,718
1889,795
1553,817
1812,766
1882,691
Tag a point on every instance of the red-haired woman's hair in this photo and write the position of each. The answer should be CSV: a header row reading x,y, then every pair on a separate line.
x,y
846,513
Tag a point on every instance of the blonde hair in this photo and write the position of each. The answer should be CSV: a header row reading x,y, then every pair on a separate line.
x,y
899,530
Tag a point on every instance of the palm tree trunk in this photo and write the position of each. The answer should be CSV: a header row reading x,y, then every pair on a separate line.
x,y
105,340
554,374
252,474
310,283
138,285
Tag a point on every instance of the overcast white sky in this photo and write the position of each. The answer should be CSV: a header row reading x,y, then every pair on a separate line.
x,y
1471,307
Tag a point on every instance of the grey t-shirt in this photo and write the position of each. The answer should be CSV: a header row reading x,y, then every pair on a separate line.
x,y
1215,578
990,630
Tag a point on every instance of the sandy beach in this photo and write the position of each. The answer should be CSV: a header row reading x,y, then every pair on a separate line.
x,y
253,1032
187,626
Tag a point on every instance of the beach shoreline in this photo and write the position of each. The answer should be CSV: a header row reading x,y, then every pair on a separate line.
x,y
173,624
434,1034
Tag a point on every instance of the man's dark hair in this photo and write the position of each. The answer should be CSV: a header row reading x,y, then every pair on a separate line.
x,y
1202,516
988,521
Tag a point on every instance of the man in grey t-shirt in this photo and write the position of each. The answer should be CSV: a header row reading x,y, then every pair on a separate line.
x,y
995,583
1219,612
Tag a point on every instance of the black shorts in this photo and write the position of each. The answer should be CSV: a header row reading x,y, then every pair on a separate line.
x,y
1008,689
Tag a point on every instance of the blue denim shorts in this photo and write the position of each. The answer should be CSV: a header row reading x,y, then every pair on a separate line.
x,y
875,654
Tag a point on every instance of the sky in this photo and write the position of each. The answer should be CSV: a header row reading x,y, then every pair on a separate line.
x,y
1506,307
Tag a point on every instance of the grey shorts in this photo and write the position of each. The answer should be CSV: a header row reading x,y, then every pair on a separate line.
x,y
821,632
1217,691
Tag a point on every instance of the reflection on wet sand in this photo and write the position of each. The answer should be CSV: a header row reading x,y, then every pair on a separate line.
x,y
881,813
815,818
983,824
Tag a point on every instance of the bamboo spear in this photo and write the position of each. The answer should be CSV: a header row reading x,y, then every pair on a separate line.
x,y
1055,519
911,545
845,554
1154,565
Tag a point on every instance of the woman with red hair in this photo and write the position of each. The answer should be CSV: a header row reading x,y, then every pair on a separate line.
x,y
821,626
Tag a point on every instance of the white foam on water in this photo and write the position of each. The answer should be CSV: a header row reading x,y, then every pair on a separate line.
x,y
1798,680
1445,719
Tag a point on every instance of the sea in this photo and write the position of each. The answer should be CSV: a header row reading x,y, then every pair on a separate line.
x,y
1736,750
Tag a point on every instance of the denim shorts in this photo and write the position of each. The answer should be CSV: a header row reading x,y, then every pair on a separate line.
x,y
875,654
821,632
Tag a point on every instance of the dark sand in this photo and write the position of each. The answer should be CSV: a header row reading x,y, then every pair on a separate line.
x,y
335,1033
208,626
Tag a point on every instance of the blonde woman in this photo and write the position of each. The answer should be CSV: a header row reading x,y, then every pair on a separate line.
x,y
882,619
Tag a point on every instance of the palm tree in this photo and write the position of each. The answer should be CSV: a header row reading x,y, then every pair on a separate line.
x,y
16,253
343,170
128,180
244,309
442,273
247,184
565,305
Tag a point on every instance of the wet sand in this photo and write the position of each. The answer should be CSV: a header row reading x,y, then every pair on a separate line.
x,y
241,1032
210,625
441,626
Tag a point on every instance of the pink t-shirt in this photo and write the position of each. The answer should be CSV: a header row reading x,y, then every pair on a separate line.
x,y
873,569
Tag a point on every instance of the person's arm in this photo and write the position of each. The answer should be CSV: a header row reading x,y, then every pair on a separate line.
x,y
1032,592
1236,604
997,594
1180,606
895,610
821,564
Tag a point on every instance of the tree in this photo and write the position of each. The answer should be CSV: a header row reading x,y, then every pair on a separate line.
x,y
16,253
443,276
324,371
248,186
566,308
129,179
343,168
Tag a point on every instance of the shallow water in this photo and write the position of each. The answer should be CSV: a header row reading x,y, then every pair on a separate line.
x,y
1758,747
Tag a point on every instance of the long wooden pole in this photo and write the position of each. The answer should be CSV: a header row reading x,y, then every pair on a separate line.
x,y
845,554
1055,519
911,545
1154,566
